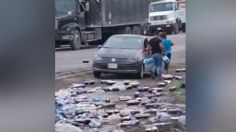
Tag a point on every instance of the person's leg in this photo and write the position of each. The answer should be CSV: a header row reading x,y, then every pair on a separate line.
x,y
154,66
167,64
159,66
166,67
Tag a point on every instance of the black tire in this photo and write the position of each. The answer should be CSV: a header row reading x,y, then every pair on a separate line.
x,y
76,43
96,74
140,75
137,30
128,30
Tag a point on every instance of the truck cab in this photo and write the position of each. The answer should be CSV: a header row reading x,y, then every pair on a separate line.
x,y
164,16
69,21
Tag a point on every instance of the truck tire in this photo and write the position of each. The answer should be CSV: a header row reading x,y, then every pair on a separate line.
x,y
128,30
76,43
96,74
137,30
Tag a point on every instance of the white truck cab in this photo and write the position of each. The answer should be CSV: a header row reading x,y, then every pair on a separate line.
x,y
164,16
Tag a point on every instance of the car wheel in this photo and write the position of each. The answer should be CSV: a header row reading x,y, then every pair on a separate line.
x,y
141,73
76,43
96,74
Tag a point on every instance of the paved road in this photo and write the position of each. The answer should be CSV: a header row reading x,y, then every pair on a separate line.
x,y
67,60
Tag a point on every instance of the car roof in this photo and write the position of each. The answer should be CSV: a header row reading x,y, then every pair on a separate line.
x,y
131,35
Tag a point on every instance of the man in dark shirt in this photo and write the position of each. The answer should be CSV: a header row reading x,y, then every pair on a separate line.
x,y
157,50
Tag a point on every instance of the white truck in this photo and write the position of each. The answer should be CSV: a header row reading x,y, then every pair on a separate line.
x,y
165,15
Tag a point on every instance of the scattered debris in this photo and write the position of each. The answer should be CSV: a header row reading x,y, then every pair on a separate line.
x,y
161,84
95,123
125,98
90,82
142,105
135,84
178,77
132,102
173,88
167,81
85,61
109,105
143,89
151,129
167,76
142,116
180,70
66,128
137,94
162,117
126,82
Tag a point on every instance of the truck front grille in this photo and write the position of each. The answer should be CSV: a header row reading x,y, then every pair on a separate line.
x,y
158,18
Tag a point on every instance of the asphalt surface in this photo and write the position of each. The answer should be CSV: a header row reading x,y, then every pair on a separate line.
x,y
67,60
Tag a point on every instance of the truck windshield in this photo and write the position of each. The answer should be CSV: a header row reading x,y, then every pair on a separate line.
x,y
168,6
64,6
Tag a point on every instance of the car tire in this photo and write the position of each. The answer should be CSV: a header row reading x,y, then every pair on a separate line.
x,y
96,74
76,43
141,73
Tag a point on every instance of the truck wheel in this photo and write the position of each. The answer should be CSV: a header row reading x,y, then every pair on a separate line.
x,y
136,30
96,74
76,43
128,30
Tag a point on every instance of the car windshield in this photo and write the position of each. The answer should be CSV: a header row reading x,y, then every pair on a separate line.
x,y
123,43
64,6
161,7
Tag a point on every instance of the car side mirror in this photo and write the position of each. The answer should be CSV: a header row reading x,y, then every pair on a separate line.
x,y
99,46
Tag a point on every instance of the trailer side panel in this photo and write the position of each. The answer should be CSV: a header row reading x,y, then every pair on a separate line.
x,y
124,12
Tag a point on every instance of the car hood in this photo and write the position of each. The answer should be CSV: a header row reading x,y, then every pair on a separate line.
x,y
119,53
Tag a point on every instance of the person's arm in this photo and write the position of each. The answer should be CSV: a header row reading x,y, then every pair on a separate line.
x,y
162,48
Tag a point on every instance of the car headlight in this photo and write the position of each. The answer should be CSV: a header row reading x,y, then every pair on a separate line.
x,y
97,58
